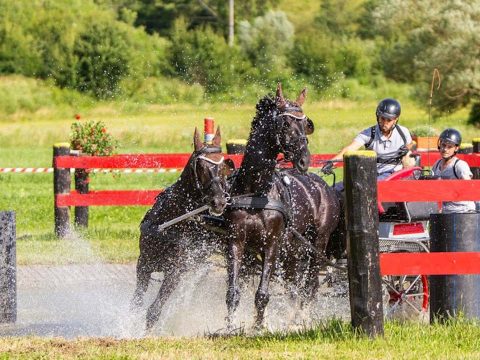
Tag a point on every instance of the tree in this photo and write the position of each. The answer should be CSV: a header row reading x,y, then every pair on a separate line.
x,y
421,35
267,41
160,15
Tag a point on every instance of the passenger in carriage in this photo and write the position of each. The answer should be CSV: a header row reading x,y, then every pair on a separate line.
x,y
451,167
391,142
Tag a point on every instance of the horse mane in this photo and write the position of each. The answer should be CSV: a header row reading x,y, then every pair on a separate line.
x,y
264,109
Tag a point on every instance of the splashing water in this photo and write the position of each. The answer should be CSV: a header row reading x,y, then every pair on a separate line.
x,y
93,300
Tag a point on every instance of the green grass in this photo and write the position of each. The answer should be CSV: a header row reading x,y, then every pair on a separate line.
x,y
113,231
333,340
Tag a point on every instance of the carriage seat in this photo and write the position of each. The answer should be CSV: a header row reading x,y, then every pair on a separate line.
x,y
406,211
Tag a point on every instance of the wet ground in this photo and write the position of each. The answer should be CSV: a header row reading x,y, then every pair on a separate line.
x,y
93,300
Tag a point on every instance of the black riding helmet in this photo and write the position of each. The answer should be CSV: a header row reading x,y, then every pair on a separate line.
x,y
451,135
388,108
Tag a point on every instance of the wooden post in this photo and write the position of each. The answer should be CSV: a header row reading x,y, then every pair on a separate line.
x,y
452,295
61,185
81,186
236,146
8,268
361,211
476,150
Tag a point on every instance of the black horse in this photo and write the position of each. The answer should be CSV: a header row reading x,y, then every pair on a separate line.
x,y
267,212
180,247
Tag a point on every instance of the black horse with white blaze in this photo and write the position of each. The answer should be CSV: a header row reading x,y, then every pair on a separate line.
x,y
186,244
266,213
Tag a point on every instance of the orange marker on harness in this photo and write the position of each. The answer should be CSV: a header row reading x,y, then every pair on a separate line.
x,y
208,130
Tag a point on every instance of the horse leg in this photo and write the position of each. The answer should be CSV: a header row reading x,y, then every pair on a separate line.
x,y
144,272
169,284
236,249
262,295
313,282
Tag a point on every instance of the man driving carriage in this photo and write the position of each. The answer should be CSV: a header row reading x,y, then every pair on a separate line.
x,y
391,142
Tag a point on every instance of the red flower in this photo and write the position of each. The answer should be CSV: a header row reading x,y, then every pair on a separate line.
x,y
77,116
104,130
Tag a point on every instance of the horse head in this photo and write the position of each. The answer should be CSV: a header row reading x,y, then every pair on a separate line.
x,y
292,126
210,172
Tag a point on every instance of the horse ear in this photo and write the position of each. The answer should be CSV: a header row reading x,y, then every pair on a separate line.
x,y
197,142
301,98
309,127
279,99
217,139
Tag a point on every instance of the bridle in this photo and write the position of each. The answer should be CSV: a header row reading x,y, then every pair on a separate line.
x,y
214,171
279,121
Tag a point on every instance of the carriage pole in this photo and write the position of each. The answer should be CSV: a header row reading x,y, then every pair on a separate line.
x,y
61,185
8,268
361,211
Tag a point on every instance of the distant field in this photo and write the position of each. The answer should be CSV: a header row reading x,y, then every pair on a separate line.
x,y
113,231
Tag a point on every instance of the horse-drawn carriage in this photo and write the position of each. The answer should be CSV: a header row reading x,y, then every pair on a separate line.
x,y
257,217
403,227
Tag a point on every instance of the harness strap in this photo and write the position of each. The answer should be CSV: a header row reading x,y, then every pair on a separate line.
x,y
259,202
373,130
454,168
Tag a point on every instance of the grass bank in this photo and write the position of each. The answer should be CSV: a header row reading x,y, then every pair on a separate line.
x,y
334,340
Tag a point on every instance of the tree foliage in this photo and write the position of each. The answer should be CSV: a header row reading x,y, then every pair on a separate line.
x,y
203,57
160,15
266,41
422,35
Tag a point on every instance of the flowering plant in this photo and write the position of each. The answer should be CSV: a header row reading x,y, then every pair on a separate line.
x,y
92,138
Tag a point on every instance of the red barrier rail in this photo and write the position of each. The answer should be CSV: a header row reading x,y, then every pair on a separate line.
x,y
428,190
452,263
429,158
108,198
178,161
146,161
407,190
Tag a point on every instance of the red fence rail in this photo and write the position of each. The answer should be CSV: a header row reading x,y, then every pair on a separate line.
x,y
451,190
435,263
133,161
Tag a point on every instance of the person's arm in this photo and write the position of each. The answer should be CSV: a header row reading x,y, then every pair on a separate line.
x,y
463,171
354,145
408,161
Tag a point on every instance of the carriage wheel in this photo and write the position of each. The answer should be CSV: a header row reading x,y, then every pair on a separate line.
x,y
405,296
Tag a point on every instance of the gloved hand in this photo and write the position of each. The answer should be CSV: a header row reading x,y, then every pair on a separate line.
x,y
402,151
327,168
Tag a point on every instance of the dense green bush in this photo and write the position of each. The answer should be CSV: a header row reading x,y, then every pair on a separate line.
x,y
159,90
474,116
84,48
102,53
201,56
266,41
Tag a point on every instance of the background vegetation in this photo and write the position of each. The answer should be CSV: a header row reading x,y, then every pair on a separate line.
x,y
166,51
